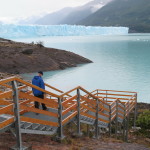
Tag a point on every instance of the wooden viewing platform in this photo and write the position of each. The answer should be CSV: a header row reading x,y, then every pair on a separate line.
x,y
99,108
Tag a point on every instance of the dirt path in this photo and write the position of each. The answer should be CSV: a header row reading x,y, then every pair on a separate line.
x,y
40,142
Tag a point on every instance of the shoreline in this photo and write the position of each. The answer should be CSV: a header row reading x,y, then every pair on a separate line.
x,y
141,105
19,58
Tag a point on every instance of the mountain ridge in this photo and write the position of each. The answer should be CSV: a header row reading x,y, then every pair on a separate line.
x,y
73,15
134,14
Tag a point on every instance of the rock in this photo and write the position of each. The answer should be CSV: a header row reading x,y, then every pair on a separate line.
x,y
64,65
147,140
20,58
136,128
27,51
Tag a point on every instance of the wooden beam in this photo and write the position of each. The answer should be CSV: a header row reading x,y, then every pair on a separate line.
x,y
69,117
32,109
6,122
69,109
38,121
36,87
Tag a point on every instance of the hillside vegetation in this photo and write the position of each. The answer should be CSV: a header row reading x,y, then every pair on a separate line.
x,y
134,14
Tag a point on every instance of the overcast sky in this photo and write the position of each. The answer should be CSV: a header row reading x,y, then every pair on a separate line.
x,y
24,8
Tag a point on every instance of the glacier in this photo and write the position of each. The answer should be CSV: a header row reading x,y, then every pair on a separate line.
x,y
25,31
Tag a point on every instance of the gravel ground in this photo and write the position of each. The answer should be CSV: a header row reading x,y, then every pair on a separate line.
x,y
40,142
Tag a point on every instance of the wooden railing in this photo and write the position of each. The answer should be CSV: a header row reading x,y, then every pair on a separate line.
x,y
101,106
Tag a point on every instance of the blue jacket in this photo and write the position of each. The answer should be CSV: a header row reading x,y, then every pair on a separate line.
x,y
38,81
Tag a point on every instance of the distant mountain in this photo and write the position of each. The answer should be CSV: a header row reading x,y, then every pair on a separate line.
x,y
28,20
55,17
84,11
71,15
134,14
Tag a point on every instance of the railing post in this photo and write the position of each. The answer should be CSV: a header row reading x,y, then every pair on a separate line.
x,y
78,115
124,123
135,112
97,92
17,118
60,128
96,120
116,127
106,95
88,133
110,120
127,123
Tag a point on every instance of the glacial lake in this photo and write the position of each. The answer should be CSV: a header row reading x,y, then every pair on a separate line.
x,y
119,63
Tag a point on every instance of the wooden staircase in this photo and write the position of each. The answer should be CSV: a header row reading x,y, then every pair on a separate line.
x,y
98,108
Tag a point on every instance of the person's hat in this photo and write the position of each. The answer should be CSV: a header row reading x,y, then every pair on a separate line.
x,y
40,72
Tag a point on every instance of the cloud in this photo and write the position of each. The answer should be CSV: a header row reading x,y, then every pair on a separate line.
x,y
23,8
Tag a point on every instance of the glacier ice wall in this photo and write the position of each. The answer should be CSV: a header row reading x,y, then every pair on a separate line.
x,y
19,31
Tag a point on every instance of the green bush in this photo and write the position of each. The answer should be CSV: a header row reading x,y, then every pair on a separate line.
x,y
144,120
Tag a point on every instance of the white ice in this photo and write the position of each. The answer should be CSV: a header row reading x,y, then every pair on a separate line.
x,y
21,31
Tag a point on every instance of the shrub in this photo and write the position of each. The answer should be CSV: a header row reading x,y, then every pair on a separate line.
x,y
144,120
40,44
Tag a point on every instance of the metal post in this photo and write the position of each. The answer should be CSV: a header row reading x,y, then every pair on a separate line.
x,y
116,127
96,121
78,115
124,123
106,95
88,130
18,145
127,128
17,115
109,121
60,128
135,112
127,124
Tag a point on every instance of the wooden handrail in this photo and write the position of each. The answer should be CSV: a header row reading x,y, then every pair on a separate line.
x,y
95,97
69,100
69,117
88,115
6,122
33,98
68,109
56,89
3,81
114,94
114,98
30,109
6,109
120,101
117,91
88,108
36,87
33,120
68,92
69,103
91,102
5,102
6,94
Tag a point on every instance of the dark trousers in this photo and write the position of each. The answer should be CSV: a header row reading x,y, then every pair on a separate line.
x,y
36,104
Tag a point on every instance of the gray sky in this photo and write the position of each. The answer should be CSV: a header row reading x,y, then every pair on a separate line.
x,y
25,8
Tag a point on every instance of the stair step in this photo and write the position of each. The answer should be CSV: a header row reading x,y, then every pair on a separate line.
x,y
42,128
26,125
35,126
51,132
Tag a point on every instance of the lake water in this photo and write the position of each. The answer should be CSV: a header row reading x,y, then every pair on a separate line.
x,y
119,63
